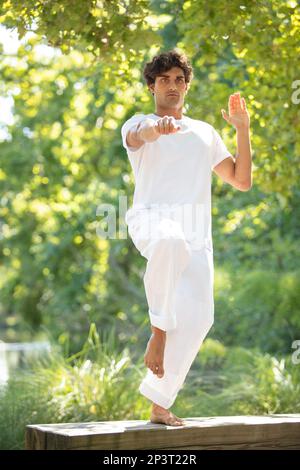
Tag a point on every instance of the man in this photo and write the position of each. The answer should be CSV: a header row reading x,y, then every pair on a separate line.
x,y
172,157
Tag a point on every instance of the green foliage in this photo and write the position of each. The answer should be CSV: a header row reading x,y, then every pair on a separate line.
x,y
105,28
257,309
54,175
100,383
238,381
255,230
62,157
97,383
252,48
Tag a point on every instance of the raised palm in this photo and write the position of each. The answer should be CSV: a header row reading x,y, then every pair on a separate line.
x,y
238,114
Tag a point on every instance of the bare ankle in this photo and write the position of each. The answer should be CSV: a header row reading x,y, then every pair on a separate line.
x,y
156,407
158,331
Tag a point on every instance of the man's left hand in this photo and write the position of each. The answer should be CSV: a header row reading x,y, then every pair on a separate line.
x,y
238,114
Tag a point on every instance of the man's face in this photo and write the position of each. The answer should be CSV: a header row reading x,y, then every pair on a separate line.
x,y
170,88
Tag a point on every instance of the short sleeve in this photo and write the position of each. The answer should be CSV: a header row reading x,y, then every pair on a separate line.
x,y
127,126
220,151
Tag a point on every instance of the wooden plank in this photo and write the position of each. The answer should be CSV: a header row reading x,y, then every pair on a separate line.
x,y
35,439
281,431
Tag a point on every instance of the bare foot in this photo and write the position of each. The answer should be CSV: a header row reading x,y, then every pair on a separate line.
x,y
163,416
154,355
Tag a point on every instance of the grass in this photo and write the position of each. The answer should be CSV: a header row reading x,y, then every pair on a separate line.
x,y
239,381
100,383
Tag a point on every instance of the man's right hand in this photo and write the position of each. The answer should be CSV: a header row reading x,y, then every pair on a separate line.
x,y
150,130
166,125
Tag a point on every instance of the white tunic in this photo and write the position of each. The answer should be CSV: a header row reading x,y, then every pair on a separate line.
x,y
173,174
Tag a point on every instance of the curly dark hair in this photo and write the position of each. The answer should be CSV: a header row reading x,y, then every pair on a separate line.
x,y
164,62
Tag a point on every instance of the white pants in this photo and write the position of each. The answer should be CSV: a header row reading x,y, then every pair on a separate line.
x,y
179,289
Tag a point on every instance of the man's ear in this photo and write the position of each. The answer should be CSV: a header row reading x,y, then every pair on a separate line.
x,y
151,90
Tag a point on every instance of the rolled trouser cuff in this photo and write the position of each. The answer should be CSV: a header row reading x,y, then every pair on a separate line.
x,y
155,396
163,322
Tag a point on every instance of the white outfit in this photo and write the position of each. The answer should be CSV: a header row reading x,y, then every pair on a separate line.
x,y
170,224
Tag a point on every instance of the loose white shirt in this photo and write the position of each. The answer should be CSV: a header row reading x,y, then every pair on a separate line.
x,y
175,171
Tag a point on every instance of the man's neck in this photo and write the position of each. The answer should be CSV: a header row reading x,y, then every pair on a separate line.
x,y
176,113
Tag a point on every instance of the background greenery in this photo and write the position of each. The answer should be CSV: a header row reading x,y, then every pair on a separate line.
x,y
76,77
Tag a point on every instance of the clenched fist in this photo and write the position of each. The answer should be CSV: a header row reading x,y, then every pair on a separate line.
x,y
150,130
166,125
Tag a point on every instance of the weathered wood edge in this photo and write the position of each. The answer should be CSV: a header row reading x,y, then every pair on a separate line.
x,y
246,435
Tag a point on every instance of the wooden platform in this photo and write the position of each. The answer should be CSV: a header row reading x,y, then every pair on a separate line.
x,y
225,432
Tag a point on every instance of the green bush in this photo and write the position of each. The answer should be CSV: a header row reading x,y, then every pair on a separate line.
x,y
241,381
258,309
98,383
